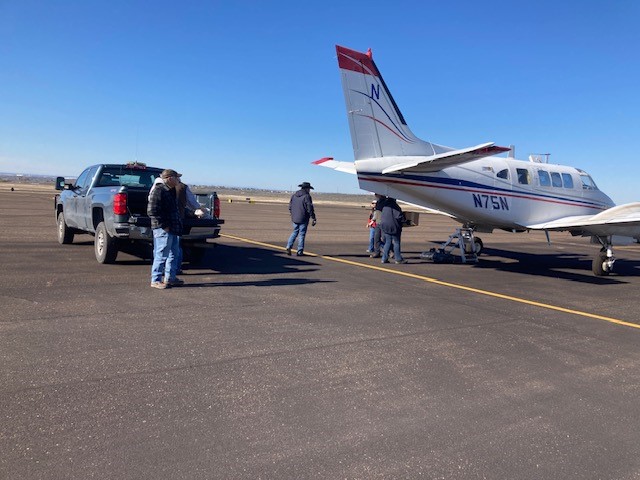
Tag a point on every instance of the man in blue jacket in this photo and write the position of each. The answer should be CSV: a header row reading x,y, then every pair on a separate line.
x,y
301,208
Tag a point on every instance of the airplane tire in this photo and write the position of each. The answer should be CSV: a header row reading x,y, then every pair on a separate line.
x,y
599,265
479,245
106,246
65,234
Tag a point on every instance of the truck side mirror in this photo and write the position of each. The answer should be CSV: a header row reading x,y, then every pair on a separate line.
x,y
59,183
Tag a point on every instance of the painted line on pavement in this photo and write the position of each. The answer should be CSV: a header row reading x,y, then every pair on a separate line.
x,y
435,281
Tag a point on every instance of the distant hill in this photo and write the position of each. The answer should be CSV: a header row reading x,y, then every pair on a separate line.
x,y
26,178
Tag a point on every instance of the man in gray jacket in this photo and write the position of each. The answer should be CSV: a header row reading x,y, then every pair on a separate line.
x,y
301,208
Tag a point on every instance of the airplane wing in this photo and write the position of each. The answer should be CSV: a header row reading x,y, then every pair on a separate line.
x,y
329,162
619,220
433,163
426,209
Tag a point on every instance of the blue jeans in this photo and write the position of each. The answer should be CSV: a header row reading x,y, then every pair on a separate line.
x,y
388,240
298,229
180,256
372,236
165,255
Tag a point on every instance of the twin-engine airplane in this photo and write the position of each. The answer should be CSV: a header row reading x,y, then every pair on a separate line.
x,y
478,189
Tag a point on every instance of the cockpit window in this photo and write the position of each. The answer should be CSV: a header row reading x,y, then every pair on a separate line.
x,y
523,176
587,182
503,174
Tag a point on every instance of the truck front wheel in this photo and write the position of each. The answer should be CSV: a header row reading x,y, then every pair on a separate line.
x,y
105,245
65,234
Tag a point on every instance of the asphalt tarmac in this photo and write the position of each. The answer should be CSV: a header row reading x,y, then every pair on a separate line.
x,y
327,366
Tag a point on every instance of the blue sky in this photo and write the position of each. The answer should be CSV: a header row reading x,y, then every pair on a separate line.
x,y
247,93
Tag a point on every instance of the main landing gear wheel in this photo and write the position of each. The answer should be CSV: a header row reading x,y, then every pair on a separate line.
x,y
478,244
600,265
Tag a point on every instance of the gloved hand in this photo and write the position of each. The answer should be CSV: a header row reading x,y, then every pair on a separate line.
x,y
313,222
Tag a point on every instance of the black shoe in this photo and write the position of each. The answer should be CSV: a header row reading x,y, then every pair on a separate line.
x,y
289,251
299,254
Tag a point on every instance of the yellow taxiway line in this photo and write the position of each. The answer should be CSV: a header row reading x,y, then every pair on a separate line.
x,y
448,284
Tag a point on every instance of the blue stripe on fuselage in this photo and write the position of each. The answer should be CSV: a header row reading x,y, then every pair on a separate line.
x,y
466,185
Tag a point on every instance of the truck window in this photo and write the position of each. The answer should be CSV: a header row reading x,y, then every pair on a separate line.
x,y
108,179
523,176
545,179
85,179
567,180
556,179
119,176
81,181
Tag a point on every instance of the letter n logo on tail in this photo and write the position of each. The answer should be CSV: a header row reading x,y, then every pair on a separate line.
x,y
375,92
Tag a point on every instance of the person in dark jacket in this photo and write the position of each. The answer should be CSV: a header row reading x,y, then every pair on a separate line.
x,y
167,228
301,208
391,223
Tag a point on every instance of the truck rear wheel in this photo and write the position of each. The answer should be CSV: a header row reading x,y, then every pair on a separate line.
x,y
106,246
194,255
65,234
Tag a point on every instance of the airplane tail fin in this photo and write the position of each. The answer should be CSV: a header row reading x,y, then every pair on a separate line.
x,y
378,128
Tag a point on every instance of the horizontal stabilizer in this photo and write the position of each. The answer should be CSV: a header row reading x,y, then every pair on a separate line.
x,y
433,163
329,162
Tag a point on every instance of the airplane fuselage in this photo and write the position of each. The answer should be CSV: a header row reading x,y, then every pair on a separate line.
x,y
493,192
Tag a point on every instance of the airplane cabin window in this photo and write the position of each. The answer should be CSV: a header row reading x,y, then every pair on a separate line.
x,y
503,174
523,176
545,180
567,180
556,180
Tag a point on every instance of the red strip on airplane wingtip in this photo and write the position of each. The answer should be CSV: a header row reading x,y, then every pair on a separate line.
x,y
322,160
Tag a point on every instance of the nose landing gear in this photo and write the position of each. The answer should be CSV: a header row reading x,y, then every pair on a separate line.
x,y
602,264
